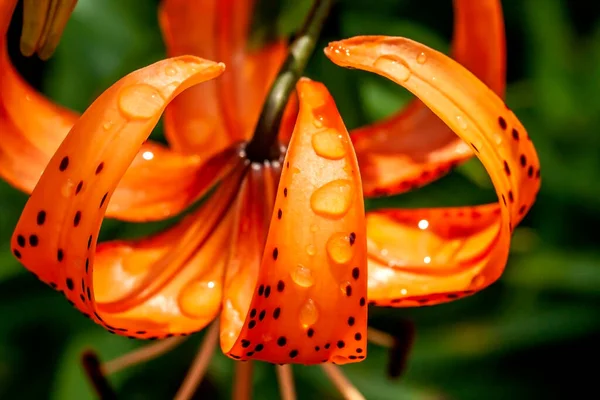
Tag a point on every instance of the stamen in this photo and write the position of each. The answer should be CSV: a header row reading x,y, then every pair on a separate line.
x,y
285,377
142,354
399,345
347,390
93,369
200,363
242,389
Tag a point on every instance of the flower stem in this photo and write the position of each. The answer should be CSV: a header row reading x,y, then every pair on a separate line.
x,y
264,144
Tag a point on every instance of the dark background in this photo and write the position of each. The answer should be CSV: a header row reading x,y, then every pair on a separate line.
x,y
533,334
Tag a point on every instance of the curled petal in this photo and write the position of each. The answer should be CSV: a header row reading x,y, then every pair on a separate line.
x,y
212,29
452,258
158,184
56,235
309,303
413,147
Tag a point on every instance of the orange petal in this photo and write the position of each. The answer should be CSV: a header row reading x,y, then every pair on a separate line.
x,y
311,288
414,147
159,183
452,255
249,235
217,30
56,234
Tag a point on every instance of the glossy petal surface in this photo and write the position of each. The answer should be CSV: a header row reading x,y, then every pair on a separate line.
x,y
158,184
446,256
218,30
56,235
309,305
414,146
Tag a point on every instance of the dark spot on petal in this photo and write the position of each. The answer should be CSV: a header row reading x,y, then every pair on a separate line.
x,y
362,301
530,171
357,336
352,238
21,240
251,324
348,290
285,192
281,341
261,290
276,313
351,321
327,345
77,219
515,134
355,272
250,353
359,350
522,209
262,314
103,199
17,253
99,168
352,357
87,265
280,286
41,217
245,343
504,199
310,332
317,348
253,313
452,296
279,213
79,187
523,160
60,255
89,243
474,147
511,197
502,122
89,293
341,344
70,284
64,163
293,353
275,253
267,291
258,347
506,168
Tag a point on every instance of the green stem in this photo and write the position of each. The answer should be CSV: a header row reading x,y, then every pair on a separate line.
x,y
264,144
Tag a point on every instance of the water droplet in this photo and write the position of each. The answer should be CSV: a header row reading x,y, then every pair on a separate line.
x,y
332,200
344,287
318,122
310,250
329,144
423,224
303,276
140,101
314,228
339,249
426,259
170,71
393,66
477,282
308,313
421,58
462,124
107,125
67,188
200,299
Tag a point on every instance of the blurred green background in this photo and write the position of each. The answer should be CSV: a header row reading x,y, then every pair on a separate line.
x,y
533,334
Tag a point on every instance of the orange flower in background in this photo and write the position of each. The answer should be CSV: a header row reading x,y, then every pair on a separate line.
x,y
282,252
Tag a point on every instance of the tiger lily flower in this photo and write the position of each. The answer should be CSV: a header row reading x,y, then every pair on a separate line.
x,y
282,252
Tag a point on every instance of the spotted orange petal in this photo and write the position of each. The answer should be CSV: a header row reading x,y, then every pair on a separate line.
x,y
414,147
56,235
309,303
455,251
159,183
194,122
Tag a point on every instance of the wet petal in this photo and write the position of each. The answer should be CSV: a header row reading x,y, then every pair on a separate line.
x,y
310,294
414,147
56,235
158,184
451,256
247,246
217,30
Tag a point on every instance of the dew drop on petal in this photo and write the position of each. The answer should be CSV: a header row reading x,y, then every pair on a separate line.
x,y
393,66
332,200
170,70
462,124
140,101
310,250
107,125
329,144
422,58
200,299
339,249
302,276
309,314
